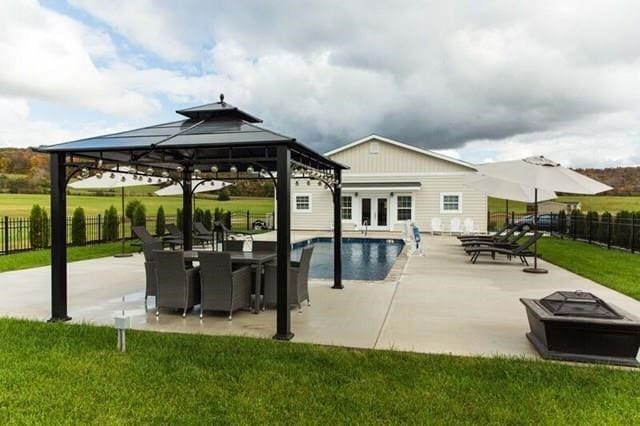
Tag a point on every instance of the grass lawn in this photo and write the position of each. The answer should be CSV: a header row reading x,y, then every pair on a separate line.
x,y
31,259
17,205
615,269
599,203
62,373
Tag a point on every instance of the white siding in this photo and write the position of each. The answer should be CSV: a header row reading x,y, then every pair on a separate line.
x,y
394,164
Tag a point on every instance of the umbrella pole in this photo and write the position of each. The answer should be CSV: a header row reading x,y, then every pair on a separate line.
x,y
535,269
122,253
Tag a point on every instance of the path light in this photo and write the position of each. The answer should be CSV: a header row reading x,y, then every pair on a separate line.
x,y
250,169
122,324
214,169
233,169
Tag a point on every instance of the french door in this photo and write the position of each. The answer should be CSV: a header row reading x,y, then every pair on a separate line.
x,y
374,212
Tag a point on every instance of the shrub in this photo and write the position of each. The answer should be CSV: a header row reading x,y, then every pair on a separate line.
x,y
78,227
223,195
562,222
38,227
217,214
198,215
207,219
592,222
110,224
139,216
622,229
131,207
160,221
603,228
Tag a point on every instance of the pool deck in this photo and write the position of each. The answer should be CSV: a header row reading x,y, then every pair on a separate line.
x,y
438,303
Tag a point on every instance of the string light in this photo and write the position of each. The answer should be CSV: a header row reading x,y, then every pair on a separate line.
x,y
233,169
165,174
214,169
99,175
250,169
150,171
179,169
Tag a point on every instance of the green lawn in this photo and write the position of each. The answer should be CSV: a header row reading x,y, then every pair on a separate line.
x,y
615,269
72,374
599,203
31,259
17,205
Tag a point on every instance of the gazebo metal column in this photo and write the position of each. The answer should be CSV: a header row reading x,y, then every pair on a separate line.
x,y
283,188
337,230
58,238
187,210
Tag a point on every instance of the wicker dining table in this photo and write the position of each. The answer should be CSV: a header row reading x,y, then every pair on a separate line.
x,y
255,259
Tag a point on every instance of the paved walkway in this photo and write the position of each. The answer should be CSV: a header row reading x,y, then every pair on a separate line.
x,y
441,304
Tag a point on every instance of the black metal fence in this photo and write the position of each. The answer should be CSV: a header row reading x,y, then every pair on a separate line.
x,y
620,230
16,232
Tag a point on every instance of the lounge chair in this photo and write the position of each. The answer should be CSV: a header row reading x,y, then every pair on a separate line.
x,y
436,225
455,226
201,233
298,281
497,238
521,251
270,246
470,227
222,288
509,243
178,287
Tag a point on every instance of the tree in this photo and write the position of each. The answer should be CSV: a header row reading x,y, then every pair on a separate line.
x,y
110,224
78,227
198,215
139,216
160,221
223,195
131,207
38,227
207,219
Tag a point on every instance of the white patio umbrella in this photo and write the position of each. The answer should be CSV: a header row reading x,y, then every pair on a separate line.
x,y
542,174
116,179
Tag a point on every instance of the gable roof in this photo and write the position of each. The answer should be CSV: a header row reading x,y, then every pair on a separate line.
x,y
401,145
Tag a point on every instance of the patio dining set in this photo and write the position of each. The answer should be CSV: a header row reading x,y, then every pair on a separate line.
x,y
222,278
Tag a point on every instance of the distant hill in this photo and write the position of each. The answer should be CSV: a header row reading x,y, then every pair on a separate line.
x,y
624,180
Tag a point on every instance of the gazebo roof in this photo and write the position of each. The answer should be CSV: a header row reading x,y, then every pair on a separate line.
x,y
212,132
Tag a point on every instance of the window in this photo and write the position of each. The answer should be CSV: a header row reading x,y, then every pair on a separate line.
x,y
346,208
404,207
302,203
451,202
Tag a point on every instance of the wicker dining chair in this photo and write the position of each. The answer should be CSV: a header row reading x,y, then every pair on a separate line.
x,y
151,287
233,245
223,288
298,281
177,286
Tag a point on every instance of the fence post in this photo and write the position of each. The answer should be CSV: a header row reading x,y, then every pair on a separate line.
x,y
6,235
633,231
99,228
590,227
609,232
248,220
574,225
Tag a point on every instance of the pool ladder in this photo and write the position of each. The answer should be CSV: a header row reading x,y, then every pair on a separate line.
x,y
366,227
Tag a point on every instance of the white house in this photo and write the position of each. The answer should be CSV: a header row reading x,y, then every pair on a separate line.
x,y
388,183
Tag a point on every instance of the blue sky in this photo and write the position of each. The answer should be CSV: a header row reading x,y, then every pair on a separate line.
x,y
486,81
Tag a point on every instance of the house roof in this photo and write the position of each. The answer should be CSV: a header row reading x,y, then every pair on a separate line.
x,y
426,152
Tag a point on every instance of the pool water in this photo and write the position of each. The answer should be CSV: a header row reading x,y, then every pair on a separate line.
x,y
362,258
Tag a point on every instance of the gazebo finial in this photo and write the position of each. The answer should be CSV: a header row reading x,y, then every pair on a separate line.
x,y
221,98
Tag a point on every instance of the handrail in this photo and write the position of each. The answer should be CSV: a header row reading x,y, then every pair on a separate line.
x,y
365,223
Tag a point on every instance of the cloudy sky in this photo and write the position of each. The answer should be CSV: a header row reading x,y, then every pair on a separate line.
x,y
482,81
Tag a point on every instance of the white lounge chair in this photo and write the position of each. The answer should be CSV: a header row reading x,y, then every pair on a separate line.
x,y
470,226
455,226
436,225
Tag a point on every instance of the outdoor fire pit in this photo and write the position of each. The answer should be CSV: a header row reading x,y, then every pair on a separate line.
x,y
578,326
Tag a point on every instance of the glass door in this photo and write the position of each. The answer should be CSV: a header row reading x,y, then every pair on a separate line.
x,y
366,212
382,212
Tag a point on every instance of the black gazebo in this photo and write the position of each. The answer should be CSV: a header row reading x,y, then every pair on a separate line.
x,y
215,140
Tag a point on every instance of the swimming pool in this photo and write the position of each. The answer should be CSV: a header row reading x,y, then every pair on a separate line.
x,y
362,258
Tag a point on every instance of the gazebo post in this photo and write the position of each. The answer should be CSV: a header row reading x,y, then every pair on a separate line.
x,y
337,231
58,238
283,187
187,210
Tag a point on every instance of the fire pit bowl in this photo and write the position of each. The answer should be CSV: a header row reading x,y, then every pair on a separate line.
x,y
578,326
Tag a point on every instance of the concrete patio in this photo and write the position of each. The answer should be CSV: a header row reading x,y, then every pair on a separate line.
x,y
440,304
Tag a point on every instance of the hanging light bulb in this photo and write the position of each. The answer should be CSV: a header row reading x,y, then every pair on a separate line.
x,y
165,174
160,180
196,172
132,170
263,172
99,175
233,169
250,169
84,172
214,169
150,170
179,169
